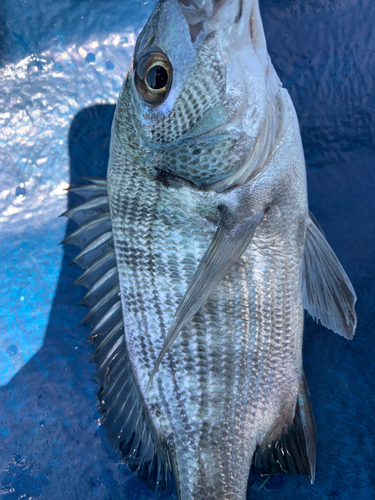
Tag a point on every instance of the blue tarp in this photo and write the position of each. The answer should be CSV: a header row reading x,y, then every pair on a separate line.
x,y
62,64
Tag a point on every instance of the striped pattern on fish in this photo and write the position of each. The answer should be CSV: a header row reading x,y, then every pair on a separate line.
x,y
236,367
200,255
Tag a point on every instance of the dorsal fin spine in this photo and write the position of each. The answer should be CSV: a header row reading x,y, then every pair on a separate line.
x,y
129,429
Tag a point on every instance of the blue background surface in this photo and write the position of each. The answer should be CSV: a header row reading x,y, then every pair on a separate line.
x,y
51,444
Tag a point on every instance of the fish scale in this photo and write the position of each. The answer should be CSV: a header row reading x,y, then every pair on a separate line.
x,y
200,355
255,364
226,313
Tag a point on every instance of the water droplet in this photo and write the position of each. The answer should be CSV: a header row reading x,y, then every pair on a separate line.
x,y
109,65
20,191
19,459
12,350
90,58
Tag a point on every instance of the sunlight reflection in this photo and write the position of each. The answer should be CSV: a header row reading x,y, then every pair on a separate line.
x,y
39,97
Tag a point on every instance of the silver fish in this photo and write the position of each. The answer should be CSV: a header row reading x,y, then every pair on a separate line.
x,y
200,256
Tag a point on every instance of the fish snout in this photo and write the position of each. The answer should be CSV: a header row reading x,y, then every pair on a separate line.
x,y
234,18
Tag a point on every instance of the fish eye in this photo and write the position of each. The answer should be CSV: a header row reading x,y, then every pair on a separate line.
x,y
153,78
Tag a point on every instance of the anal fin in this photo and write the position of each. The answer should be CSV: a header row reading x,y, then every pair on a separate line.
x,y
295,450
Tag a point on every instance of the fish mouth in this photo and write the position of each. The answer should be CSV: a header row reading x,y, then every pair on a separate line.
x,y
239,22
199,12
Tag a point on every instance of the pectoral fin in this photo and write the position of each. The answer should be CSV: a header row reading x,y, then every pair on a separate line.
x,y
230,241
328,294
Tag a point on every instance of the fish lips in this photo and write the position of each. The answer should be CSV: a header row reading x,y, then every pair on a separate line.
x,y
199,11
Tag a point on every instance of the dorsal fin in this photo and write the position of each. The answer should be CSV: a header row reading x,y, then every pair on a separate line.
x,y
295,450
328,295
124,414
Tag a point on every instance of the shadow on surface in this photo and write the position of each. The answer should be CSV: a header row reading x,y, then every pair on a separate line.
x,y
51,446
54,446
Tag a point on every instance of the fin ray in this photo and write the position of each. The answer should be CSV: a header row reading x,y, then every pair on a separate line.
x,y
99,309
104,284
98,247
125,417
96,270
295,450
89,191
88,210
328,295
85,234
109,320
99,181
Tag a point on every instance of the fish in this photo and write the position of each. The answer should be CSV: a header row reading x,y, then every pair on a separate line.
x,y
200,256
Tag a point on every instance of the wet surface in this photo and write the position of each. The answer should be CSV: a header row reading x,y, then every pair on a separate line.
x,y
60,106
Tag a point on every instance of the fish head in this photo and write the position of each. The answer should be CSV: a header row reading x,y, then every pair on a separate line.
x,y
199,100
